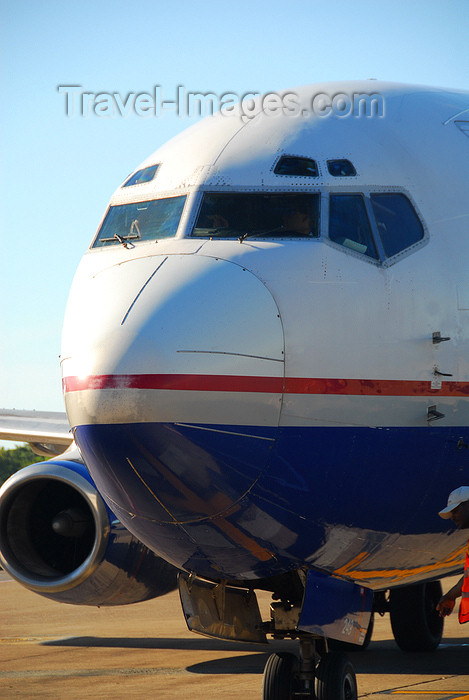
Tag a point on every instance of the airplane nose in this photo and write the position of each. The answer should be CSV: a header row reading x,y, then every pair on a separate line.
x,y
173,373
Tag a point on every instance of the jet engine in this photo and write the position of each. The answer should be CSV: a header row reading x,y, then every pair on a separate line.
x,y
59,539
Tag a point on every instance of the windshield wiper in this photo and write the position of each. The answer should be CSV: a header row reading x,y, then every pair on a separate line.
x,y
264,232
123,239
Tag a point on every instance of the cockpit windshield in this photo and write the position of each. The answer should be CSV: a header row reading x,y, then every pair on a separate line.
x,y
242,215
140,221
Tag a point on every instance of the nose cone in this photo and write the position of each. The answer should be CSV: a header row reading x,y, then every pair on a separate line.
x,y
173,376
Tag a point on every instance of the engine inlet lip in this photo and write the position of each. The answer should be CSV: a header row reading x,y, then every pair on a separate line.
x,y
54,472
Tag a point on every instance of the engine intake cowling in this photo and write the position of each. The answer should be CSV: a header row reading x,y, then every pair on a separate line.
x,y
59,539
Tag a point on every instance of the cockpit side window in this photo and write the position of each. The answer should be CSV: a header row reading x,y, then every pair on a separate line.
x,y
127,224
349,224
242,215
398,225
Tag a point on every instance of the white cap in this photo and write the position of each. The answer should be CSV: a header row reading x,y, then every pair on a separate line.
x,y
455,499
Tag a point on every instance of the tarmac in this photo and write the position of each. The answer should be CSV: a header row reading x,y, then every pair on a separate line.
x,y
51,650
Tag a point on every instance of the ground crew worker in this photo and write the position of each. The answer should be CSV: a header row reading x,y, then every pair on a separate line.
x,y
458,510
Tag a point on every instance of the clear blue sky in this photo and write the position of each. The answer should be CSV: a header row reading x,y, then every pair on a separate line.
x,y
59,172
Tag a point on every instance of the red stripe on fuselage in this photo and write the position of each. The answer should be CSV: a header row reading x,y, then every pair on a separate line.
x,y
175,382
266,385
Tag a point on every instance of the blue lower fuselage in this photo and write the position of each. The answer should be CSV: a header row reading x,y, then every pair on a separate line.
x,y
240,502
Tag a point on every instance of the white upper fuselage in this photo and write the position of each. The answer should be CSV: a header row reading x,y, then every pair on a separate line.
x,y
317,285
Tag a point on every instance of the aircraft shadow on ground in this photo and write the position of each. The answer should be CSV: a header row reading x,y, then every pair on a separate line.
x,y
379,658
183,644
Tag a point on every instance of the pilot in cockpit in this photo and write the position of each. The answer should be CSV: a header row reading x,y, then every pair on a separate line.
x,y
298,220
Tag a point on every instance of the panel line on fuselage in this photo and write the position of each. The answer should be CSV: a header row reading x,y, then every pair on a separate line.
x,y
226,432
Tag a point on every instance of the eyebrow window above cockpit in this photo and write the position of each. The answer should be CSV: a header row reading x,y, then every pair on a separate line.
x,y
296,166
244,215
341,168
142,176
127,224
349,224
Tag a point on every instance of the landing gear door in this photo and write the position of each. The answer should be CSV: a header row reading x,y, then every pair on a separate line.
x,y
335,609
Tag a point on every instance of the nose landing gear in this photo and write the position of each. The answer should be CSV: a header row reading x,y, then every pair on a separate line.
x,y
318,674
280,676
335,678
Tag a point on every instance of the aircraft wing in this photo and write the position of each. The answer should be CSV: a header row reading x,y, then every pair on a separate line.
x,y
47,432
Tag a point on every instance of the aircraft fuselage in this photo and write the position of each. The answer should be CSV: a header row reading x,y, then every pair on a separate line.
x,y
252,398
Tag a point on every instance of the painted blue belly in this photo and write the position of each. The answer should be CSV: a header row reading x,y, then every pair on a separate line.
x,y
250,502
